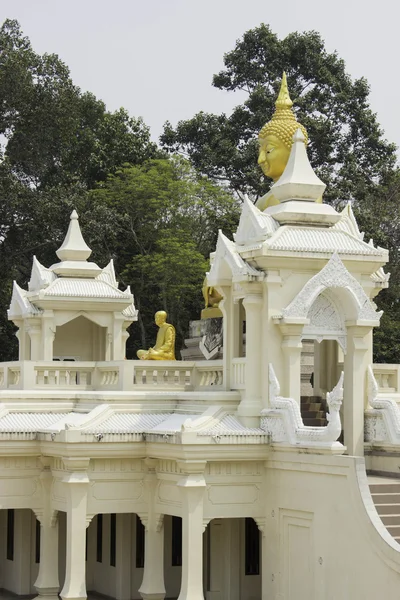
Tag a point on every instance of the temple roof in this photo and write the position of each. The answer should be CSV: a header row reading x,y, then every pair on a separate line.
x,y
307,239
103,422
71,281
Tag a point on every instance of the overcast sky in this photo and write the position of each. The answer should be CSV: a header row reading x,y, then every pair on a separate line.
x,y
156,58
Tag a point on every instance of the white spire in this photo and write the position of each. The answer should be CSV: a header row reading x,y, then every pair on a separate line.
x,y
298,181
74,246
73,253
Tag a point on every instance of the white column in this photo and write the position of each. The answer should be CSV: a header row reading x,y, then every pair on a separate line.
x,y
117,337
358,357
192,489
291,349
226,306
48,334
268,583
34,332
230,559
22,551
153,587
124,556
76,484
250,407
47,582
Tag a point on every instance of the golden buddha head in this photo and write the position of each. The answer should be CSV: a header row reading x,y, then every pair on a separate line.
x,y
276,136
160,317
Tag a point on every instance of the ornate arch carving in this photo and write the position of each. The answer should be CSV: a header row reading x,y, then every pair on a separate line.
x,y
333,276
326,321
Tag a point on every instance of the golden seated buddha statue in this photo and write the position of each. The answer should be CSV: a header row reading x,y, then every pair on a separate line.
x,y
276,138
164,348
212,298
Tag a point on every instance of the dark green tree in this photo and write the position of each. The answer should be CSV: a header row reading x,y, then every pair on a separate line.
x,y
379,218
166,221
54,132
347,147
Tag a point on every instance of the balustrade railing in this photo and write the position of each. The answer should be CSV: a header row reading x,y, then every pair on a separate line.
x,y
387,377
112,375
238,374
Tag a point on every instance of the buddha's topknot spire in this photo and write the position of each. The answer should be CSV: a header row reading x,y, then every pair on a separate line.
x,y
283,124
283,100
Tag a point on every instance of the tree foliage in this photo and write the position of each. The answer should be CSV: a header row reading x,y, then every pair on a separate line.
x,y
379,218
156,217
166,219
346,148
55,133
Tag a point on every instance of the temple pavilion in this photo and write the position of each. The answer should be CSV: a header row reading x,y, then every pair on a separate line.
x,y
201,479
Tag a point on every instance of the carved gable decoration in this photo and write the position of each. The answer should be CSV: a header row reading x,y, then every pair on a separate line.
x,y
334,275
326,321
229,265
20,305
254,226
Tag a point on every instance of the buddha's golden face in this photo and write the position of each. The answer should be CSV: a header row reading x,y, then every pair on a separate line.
x,y
160,317
273,156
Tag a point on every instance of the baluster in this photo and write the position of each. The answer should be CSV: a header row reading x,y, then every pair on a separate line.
x,y
51,377
62,377
159,379
181,377
40,376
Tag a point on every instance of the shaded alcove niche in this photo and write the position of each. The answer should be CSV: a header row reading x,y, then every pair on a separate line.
x,y
80,339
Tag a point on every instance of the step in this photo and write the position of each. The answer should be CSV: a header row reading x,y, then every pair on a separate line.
x,y
314,422
313,414
394,531
386,499
313,407
385,488
386,509
391,519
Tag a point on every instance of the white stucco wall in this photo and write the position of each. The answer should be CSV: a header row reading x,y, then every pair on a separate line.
x,y
80,338
321,540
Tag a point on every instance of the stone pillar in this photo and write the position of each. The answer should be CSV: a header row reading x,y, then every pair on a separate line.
x,y
250,407
291,349
76,485
34,332
192,489
117,337
226,306
47,582
153,587
268,584
48,334
357,358
109,345
318,362
125,336
124,556
331,364
230,560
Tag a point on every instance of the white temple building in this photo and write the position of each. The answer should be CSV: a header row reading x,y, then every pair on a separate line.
x,y
199,480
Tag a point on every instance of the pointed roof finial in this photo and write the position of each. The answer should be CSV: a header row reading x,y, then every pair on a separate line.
x,y
74,246
283,100
283,124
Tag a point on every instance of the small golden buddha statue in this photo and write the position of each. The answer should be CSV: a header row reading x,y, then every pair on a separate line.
x,y
164,348
276,138
212,298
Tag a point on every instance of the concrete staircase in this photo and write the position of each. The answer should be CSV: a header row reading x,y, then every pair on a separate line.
x,y
386,496
313,411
